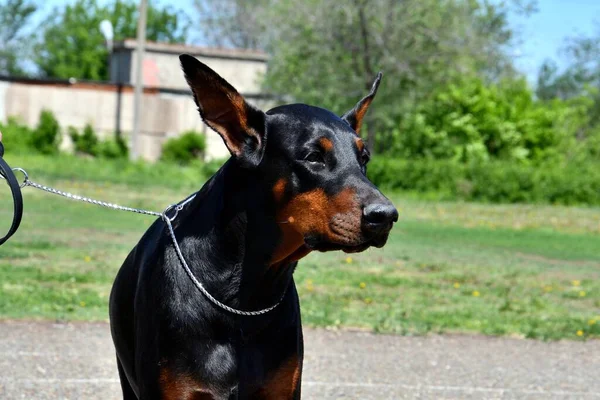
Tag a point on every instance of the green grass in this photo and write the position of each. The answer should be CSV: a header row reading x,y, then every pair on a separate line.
x,y
137,175
521,270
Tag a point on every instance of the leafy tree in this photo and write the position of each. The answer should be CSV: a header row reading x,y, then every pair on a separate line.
x,y
327,52
553,84
583,69
233,23
581,77
14,17
72,45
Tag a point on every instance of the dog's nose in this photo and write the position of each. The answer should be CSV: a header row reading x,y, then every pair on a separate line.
x,y
378,217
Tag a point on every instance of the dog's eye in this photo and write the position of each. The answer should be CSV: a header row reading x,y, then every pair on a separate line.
x,y
315,157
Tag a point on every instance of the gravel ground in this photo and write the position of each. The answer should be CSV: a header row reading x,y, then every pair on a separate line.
x,y
43,360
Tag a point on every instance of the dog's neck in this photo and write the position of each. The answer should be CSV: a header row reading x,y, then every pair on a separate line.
x,y
234,217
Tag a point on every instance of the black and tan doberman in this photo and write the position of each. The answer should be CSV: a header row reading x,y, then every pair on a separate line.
x,y
296,183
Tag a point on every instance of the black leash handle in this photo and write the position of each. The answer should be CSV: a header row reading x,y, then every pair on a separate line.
x,y
15,189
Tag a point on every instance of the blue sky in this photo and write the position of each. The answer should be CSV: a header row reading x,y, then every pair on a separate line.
x,y
542,34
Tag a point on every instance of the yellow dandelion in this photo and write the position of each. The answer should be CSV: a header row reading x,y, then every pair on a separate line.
x,y
82,303
592,322
576,283
348,260
456,285
309,285
87,258
476,293
580,333
582,293
368,300
362,285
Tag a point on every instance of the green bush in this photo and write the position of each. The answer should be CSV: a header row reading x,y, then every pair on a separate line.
x,y
473,121
113,149
85,143
416,175
576,182
46,136
16,136
185,148
88,143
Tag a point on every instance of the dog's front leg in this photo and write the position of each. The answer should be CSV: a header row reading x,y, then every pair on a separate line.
x,y
283,383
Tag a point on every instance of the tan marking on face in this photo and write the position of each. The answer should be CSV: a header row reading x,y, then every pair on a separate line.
x,y
291,247
279,189
313,211
282,383
326,144
181,387
336,218
360,145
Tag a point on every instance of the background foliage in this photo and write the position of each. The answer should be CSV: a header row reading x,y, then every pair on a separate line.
x,y
453,115
328,52
187,147
15,16
451,101
71,44
454,120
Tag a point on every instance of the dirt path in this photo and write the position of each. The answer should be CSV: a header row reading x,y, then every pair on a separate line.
x,y
41,360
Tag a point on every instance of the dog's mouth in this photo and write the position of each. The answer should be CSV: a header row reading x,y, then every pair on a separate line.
x,y
325,246
317,243
346,234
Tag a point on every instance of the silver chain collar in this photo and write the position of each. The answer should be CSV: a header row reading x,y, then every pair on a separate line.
x,y
177,207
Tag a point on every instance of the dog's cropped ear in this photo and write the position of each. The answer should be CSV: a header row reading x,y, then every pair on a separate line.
x,y
221,107
355,116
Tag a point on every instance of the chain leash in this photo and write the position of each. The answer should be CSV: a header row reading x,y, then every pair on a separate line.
x,y
168,221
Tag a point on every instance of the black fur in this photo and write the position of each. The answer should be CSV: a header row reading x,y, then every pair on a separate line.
x,y
228,234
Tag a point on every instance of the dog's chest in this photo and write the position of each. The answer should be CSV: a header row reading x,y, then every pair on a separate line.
x,y
221,370
205,367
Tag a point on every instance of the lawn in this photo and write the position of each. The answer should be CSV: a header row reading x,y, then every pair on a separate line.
x,y
522,270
